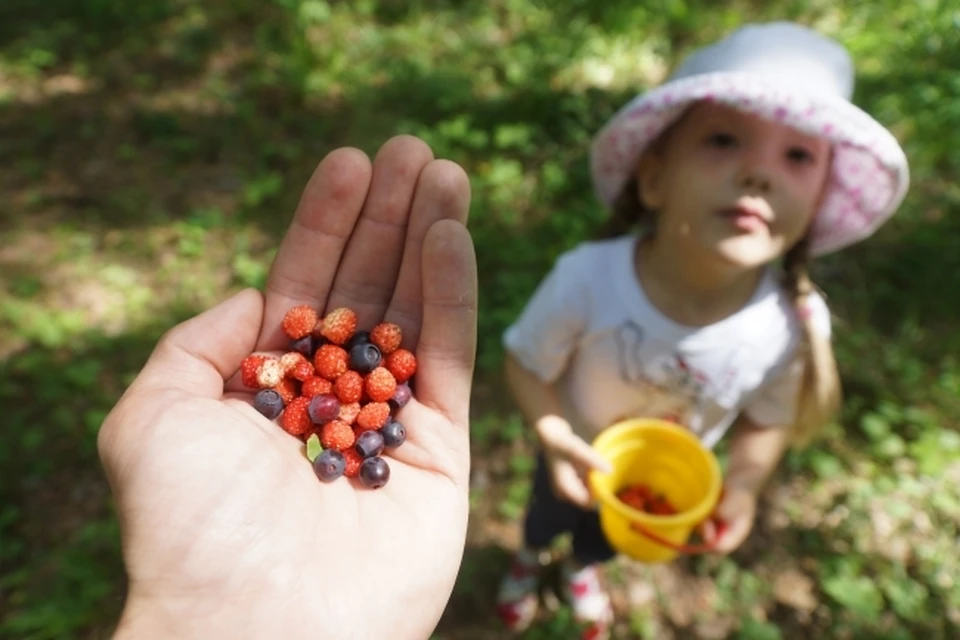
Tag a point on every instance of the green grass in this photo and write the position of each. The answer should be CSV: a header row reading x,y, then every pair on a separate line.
x,y
153,153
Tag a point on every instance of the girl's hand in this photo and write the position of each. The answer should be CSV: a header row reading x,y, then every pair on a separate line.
x,y
732,521
570,459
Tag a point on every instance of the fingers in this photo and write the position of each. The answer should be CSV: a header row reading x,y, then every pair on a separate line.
x,y
579,451
307,260
446,351
197,356
569,486
368,272
443,192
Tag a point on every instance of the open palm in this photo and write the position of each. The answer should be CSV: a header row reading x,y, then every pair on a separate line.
x,y
227,532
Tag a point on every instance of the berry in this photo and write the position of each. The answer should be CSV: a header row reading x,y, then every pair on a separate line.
x,y
323,408
249,368
338,325
294,419
329,465
365,357
315,386
374,472
380,385
290,360
337,435
387,336
349,412
305,345
303,371
353,460
330,361
402,364
287,388
394,433
268,402
359,337
299,322
369,443
373,416
401,396
349,387
270,373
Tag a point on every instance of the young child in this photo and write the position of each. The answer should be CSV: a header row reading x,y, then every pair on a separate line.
x,y
696,306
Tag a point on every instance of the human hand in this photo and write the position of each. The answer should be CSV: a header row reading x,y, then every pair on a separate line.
x,y
226,530
569,458
732,520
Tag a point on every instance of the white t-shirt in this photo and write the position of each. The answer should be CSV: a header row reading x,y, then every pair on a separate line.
x,y
590,329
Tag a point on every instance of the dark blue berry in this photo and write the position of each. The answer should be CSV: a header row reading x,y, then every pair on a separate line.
x,y
369,444
365,357
306,345
394,433
374,472
323,408
401,396
360,337
268,402
329,465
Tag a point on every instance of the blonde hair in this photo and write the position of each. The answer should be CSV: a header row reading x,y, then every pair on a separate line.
x,y
819,398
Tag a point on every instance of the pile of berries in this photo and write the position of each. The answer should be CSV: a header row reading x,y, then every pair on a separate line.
x,y
642,498
337,389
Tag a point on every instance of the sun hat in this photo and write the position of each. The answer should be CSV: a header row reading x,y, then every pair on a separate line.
x,y
790,74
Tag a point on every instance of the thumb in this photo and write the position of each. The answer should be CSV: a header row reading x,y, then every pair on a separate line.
x,y
197,355
579,451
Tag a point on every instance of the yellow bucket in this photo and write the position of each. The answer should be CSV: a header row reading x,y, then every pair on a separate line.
x,y
671,461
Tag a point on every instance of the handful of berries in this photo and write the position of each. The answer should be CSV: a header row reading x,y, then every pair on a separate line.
x,y
337,389
642,498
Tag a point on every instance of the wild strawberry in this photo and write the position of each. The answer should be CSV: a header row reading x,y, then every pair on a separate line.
x,y
330,361
249,368
373,415
270,373
380,385
294,418
290,360
337,435
402,364
339,325
349,387
302,371
299,322
316,386
349,412
353,460
288,390
387,336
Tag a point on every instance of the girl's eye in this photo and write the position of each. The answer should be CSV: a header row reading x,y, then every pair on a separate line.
x,y
722,140
800,155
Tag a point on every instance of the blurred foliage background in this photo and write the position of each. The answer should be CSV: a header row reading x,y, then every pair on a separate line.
x,y
154,151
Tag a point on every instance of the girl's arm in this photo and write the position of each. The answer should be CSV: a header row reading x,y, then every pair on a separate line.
x,y
754,455
538,402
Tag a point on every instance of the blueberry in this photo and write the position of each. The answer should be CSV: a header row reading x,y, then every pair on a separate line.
x,y
268,402
369,444
323,408
394,433
329,465
360,337
306,345
374,472
401,396
365,357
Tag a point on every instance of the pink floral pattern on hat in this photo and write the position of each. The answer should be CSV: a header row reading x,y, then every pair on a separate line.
x,y
869,176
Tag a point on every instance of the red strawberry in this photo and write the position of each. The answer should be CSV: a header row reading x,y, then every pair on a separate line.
x,y
287,389
330,361
249,368
299,322
380,385
316,386
387,336
402,364
349,412
302,371
294,418
339,325
373,416
349,387
338,435
270,373
353,460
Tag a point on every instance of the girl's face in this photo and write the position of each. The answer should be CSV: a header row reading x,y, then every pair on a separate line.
x,y
740,187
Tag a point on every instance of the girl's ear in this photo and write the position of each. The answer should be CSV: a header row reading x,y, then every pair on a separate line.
x,y
649,180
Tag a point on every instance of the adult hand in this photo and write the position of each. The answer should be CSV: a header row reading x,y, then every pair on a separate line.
x,y
226,530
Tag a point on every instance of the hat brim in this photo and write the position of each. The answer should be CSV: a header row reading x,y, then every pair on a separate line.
x,y
869,175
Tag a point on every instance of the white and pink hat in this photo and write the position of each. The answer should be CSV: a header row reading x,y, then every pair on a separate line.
x,y
790,74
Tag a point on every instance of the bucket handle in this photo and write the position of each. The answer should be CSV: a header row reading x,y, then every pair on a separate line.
x,y
686,549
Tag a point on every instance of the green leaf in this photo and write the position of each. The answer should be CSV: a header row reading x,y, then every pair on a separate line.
x,y
858,594
314,448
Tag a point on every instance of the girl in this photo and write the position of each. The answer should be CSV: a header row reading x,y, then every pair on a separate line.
x,y
696,307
